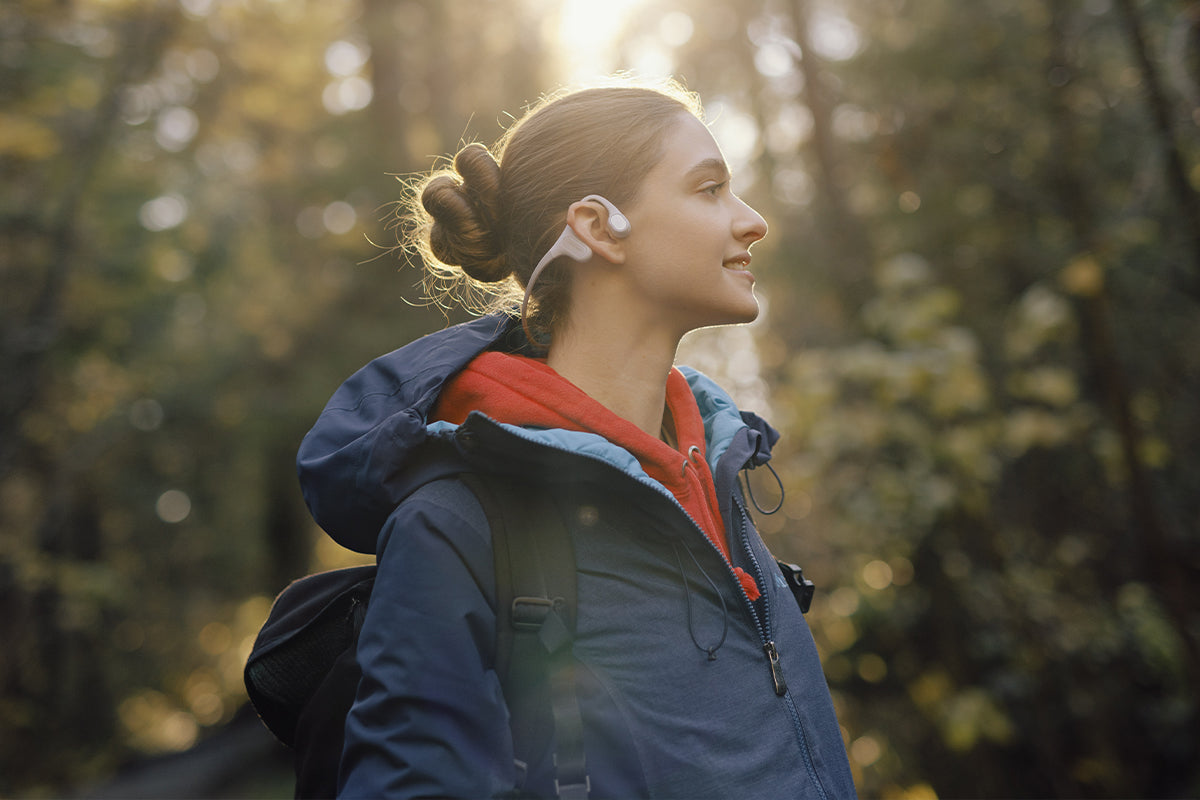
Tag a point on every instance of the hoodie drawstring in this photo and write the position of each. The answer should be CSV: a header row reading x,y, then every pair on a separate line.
x,y
750,491
711,652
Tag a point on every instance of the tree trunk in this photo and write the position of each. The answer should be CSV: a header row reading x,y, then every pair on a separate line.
x,y
1174,170
851,240
1160,564
28,338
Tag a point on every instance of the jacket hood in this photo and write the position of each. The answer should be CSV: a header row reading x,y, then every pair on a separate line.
x,y
373,444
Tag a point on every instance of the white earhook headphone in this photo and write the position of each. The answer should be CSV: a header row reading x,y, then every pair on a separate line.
x,y
568,244
618,223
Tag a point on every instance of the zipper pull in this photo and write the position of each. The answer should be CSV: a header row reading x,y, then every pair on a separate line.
x,y
776,672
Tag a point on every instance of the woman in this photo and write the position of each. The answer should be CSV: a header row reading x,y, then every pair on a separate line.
x,y
609,221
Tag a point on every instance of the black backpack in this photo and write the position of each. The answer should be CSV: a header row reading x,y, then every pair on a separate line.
x,y
302,674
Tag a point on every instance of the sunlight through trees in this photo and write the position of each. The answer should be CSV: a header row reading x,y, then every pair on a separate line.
x,y
979,339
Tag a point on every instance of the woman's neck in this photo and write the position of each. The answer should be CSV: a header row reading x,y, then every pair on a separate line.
x,y
622,368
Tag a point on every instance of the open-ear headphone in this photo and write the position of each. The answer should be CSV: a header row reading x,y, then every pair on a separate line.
x,y
568,244
618,223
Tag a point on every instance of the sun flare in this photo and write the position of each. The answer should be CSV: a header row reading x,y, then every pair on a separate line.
x,y
587,32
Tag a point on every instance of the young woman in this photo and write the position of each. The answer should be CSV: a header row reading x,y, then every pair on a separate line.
x,y
607,221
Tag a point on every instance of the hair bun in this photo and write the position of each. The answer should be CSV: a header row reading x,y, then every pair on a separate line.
x,y
481,178
464,212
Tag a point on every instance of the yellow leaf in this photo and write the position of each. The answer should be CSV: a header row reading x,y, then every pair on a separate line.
x,y
1154,452
25,138
1083,276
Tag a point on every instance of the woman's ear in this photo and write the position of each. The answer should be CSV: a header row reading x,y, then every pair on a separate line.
x,y
589,221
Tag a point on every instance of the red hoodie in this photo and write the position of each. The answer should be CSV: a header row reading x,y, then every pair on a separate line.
x,y
526,392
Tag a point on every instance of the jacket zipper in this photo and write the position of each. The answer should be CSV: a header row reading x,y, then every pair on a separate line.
x,y
776,673
763,625
772,653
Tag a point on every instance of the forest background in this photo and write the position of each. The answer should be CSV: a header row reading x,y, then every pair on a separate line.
x,y
981,341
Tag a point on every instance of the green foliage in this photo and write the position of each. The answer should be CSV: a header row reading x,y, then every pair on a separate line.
x,y
980,346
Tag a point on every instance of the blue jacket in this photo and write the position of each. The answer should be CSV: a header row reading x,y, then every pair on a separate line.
x,y
661,717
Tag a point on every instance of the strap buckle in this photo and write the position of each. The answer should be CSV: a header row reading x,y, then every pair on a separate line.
x,y
529,613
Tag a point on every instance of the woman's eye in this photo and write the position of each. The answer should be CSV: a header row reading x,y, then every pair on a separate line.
x,y
716,188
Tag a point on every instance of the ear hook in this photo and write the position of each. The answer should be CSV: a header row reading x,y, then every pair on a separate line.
x,y
569,244
618,223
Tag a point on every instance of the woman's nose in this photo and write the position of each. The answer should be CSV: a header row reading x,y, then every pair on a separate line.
x,y
749,226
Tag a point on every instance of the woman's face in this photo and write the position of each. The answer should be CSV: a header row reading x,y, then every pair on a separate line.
x,y
689,250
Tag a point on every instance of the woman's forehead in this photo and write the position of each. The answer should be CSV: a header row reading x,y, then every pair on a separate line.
x,y
689,148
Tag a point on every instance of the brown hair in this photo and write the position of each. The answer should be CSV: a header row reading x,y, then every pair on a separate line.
x,y
481,226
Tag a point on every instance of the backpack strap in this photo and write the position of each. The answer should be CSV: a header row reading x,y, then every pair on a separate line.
x,y
302,673
535,624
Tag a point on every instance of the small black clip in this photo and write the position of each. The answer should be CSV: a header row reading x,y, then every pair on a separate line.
x,y
802,588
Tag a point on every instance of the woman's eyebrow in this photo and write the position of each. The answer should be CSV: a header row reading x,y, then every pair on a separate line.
x,y
716,165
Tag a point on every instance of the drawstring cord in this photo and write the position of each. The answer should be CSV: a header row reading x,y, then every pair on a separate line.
x,y
710,651
750,491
